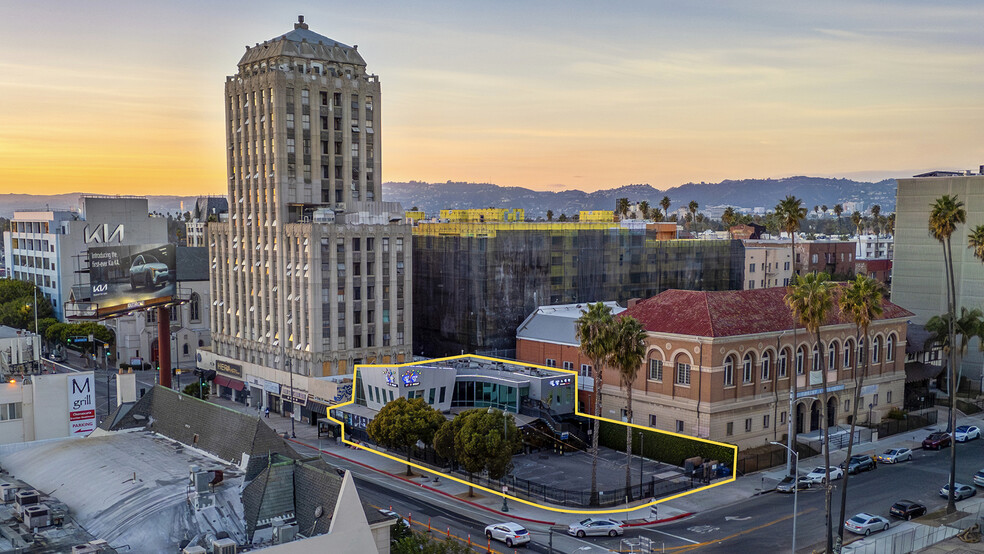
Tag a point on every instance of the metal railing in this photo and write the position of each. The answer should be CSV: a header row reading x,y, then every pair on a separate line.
x,y
890,427
915,538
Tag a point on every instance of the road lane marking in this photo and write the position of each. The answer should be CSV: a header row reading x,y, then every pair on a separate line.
x,y
695,546
674,536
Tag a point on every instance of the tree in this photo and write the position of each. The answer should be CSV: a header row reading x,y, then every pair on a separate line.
x,y
728,217
965,328
810,299
622,207
692,208
875,211
861,302
975,241
413,543
644,209
627,354
945,214
657,214
824,210
480,440
562,218
789,213
197,390
593,331
890,224
402,423
665,203
549,215
17,304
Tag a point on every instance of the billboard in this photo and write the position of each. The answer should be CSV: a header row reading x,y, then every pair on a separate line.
x,y
81,405
125,278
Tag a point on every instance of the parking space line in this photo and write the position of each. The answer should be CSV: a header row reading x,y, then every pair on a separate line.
x,y
672,535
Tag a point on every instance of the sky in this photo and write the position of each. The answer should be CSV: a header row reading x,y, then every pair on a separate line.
x,y
121,97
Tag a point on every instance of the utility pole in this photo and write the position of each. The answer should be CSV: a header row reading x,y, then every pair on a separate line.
x,y
293,397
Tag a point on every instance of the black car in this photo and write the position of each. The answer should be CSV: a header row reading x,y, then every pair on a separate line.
x,y
907,509
857,464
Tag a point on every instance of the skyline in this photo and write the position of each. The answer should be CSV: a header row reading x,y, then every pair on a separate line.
x,y
127,99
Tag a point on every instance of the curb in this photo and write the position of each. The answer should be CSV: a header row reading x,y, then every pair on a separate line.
x,y
421,485
656,521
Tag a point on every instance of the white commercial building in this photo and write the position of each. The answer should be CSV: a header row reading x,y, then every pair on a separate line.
x,y
875,247
767,264
20,351
918,282
48,247
48,406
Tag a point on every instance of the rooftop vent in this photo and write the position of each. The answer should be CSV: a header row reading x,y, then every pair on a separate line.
x,y
300,23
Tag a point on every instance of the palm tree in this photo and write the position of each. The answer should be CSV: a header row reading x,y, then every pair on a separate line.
x,y
890,224
838,210
549,215
692,208
810,299
622,206
657,214
824,210
861,302
965,328
856,219
728,217
875,210
644,209
594,335
944,216
665,203
629,351
975,240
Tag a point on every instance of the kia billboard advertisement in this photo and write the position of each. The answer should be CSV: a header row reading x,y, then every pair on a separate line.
x,y
125,278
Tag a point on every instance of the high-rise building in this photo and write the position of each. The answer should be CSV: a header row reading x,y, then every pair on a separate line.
x,y
310,263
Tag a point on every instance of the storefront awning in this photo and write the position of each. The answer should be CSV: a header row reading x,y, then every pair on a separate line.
x,y
227,382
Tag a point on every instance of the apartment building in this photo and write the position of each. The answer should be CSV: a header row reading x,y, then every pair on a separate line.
x,y
310,275
875,247
833,257
206,210
767,264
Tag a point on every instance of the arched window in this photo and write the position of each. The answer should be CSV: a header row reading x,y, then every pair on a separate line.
x,y
816,358
194,307
832,356
860,356
800,357
201,343
766,362
783,358
876,350
890,354
729,371
746,374
184,349
848,348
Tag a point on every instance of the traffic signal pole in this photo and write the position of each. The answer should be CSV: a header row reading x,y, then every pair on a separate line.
x,y
164,345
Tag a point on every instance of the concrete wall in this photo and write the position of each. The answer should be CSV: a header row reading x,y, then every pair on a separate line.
x,y
44,408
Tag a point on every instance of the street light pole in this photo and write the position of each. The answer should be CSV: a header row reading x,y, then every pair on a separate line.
x,y
795,488
292,397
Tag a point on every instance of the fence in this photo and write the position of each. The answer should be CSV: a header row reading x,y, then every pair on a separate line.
x,y
894,426
758,462
536,492
914,538
840,438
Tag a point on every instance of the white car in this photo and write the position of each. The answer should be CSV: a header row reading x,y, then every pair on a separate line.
x,y
595,526
510,533
895,456
818,475
966,433
865,524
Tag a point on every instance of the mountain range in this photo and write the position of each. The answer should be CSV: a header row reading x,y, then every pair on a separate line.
x,y
432,197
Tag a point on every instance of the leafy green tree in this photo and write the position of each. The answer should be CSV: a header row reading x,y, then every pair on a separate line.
x,y
945,214
418,543
810,299
17,304
549,215
861,302
480,440
627,354
197,389
562,218
402,423
593,331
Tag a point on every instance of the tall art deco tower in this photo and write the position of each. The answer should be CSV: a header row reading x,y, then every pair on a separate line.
x,y
311,264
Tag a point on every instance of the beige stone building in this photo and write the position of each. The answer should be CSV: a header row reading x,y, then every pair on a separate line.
x,y
311,263
767,264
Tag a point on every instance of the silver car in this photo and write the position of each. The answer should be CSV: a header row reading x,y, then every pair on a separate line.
x,y
866,524
895,456
595,526
960,491
509,533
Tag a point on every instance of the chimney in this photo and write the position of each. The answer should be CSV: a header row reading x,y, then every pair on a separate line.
x,y
633,301
300,23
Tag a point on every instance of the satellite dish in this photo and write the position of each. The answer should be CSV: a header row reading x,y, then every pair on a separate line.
x,y
318,512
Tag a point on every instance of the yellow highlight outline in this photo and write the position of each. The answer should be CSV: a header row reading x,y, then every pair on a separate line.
x,y
734,462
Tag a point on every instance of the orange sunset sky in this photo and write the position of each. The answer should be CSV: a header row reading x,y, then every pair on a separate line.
x,y
126,97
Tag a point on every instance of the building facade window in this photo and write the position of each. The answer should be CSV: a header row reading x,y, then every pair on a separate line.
x,y
585,370
12,410
551,362
748,424
746,369
890,353
800,354
729,428
766,362
655,370
876,350
195,307
765,421
816,358
683,373
832,356
729,371
569,365
848,348
679,426
782,364
652,420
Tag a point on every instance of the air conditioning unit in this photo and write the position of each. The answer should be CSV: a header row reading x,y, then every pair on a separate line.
x,y
194,549
223,546
25,498
37,516
284,533
7,491
201,481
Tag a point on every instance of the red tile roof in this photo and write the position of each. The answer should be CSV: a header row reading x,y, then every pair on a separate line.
x,y
729,313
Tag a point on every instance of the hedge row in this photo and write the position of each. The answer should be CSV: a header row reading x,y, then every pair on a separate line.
x,y
662,447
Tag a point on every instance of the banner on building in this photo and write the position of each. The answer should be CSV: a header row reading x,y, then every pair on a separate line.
x,y
81,405
125,278
298,397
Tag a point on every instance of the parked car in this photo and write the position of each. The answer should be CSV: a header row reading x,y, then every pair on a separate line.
x,y
786,485
907,509
960,491
818,475
146,271
865,524
936,441
391,513
857,464
979,478
966,433
595,526
510,533
895,456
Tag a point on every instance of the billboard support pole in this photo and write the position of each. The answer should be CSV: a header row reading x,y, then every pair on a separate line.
x,y
164,345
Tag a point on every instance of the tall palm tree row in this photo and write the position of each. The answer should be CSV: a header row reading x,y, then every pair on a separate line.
x,y
810,299
665,203
692,208
944,216
861,302
594,332
626,356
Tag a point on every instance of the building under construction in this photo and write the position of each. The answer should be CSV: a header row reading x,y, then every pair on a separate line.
x,y
474,283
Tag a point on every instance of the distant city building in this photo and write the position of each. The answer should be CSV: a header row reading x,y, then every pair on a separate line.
x,y
49,247
596,216
20,351
482,215
718,366
767,264
475,283
875,247
39,407
136,333
918,281
310,275
834,257
880,270
851,207
207,209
